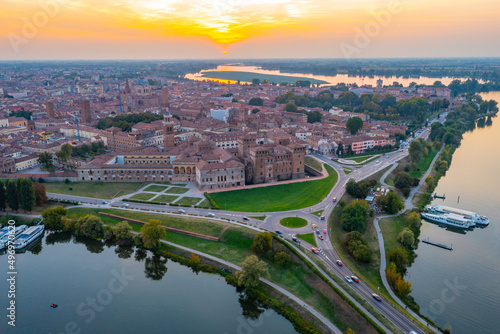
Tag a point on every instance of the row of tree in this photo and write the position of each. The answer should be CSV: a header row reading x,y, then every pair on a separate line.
x,y
21,193
126,121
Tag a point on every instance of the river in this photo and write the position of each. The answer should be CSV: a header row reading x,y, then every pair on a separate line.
x,y
128,290
332,80
461,288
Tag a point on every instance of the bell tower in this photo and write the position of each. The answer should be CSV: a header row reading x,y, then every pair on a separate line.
x,y
168,131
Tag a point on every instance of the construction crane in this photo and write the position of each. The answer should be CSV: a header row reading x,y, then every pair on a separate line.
x,y
77,127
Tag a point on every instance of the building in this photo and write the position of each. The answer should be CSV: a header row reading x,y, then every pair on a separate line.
x,y
85,108
168,132
50,109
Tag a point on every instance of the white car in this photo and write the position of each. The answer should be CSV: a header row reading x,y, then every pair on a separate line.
x,y
348,279
211,214
182,211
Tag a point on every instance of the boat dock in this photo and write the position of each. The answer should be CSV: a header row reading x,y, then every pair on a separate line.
x,y
438,244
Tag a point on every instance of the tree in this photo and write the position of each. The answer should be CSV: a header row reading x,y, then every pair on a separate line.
x,y
122,233
256,82
195,258
40,194
354,216
52,217
12,198
255,110
291,107
403,288
354,124
3,198
256,101
349,331
390,203
152,232
417,149
252,269
26,194
406,238
262,243
282,258
400,258
340,150
403,180
414,221
45,158
357,246
89,226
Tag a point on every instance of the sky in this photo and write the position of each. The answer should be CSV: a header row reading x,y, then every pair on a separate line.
x,y
205,29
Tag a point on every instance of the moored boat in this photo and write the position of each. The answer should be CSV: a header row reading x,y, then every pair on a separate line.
x,y
449,219
4,238
29,236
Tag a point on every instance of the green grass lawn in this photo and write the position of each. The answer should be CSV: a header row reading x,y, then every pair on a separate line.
x,y
347,171
142,196
423,164
309,238
283,197
317,213
155,188
177,190
258,217
313,163
104,190
361,159
166,198
293,222
205,204
391,227
188,201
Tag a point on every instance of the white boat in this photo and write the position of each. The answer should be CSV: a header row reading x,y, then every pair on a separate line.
x,y
4,231
474,217
4,238
29,235
450,219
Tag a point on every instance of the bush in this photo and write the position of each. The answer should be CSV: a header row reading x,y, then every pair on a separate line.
x,y
354,216
357,246
89,226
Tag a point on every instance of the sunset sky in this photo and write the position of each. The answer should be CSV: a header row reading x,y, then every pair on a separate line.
x,y
185,29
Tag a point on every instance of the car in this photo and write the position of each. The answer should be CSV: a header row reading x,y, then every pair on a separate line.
x,y
355,279
348,279
335,199
377,161
322,218
412,332
182,211
314,250
104,202
321,237
314,225
339,263
246,218
211,214
317,232
377,297
324,231
279,232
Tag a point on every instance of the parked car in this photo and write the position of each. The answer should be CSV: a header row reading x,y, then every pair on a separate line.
x,y
314,250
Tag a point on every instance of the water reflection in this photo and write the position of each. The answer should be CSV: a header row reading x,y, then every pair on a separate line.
x,y
155,267
124,252
251,308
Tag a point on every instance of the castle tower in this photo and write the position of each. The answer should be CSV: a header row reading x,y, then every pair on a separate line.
x,y
298,160
85,107
164,97
168,131
50,109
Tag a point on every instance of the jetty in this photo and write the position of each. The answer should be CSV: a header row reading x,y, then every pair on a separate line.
x,y
441,197
438,244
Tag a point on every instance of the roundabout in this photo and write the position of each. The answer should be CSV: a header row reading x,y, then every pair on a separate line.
x,y
293,222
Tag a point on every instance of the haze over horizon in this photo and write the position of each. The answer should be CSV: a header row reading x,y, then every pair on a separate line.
x,y
173,29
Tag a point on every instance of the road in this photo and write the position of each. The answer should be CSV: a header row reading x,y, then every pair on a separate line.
x,y
327,251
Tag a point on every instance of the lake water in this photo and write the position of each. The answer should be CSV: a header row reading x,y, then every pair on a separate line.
x,y
101,289
333,80
461,287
